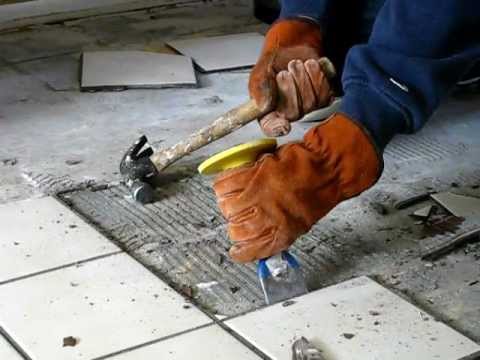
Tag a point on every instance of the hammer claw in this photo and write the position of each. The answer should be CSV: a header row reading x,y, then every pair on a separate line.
x,y
136,147
145,153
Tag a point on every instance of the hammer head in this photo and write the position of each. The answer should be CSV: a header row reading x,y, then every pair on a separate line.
x,y
138,170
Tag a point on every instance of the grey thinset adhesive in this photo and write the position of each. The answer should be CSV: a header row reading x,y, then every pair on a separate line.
x,y
182,236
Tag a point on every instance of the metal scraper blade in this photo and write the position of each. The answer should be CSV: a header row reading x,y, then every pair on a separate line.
x,y
281,278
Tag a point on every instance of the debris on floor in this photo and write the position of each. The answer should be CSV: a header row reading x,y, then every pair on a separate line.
x,y
219,53
379,208
118,70
454,243
458,205
73,162
70,341
425,212
9,162
405,203
369,322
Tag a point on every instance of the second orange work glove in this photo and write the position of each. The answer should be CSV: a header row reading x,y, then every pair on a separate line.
x,y
288,80
270,204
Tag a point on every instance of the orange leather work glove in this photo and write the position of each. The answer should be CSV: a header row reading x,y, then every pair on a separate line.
x,y
270,204
288,80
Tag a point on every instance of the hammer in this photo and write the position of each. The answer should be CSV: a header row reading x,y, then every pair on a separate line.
x,y
139,167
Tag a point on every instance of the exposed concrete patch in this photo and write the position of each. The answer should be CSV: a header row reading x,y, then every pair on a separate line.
x,y
183,239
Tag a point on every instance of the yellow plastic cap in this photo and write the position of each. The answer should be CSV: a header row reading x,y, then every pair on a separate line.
x,y
237,156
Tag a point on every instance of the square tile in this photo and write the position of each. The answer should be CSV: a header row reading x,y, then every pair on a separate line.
x,y
107,304
41,234
357,319
135,69
209,343
221,52
7,352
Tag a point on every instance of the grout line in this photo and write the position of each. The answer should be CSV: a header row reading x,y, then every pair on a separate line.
x,y
225,328
81,262
151,342
168,282
216,321
242,340
14,344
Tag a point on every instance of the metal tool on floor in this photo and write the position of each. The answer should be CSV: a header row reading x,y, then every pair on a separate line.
x,y
302,349
138,168
280,275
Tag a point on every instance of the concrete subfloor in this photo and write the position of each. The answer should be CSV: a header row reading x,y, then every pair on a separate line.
x,y
57,138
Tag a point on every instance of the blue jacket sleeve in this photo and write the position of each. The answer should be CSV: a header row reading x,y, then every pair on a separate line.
x,y
416,53
313,9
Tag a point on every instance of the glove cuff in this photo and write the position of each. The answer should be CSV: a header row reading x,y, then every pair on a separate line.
x,y
347,147
291,32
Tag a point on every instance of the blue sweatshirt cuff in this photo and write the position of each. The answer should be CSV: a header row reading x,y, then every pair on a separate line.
x,y
380,118
315,10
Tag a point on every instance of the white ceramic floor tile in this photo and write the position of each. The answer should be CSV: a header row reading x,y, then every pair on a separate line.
x,y
7,352
358,319
41,234
221,52
135,69
210,343
109,304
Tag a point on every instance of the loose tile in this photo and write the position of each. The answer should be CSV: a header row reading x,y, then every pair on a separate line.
x,y
210,343
458,205
41,234
357,319
222,52
135,69
106,305
7,352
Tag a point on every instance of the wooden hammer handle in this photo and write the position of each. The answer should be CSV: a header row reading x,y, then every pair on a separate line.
x,y
223,125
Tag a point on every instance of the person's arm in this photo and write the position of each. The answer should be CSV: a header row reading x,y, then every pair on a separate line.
x,y
288,79
316,10
416,53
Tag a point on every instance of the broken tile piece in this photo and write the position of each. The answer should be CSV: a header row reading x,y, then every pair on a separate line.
x,y
221,52
424,212
400,332
40,311
458,205
212,343
103,70
37,235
